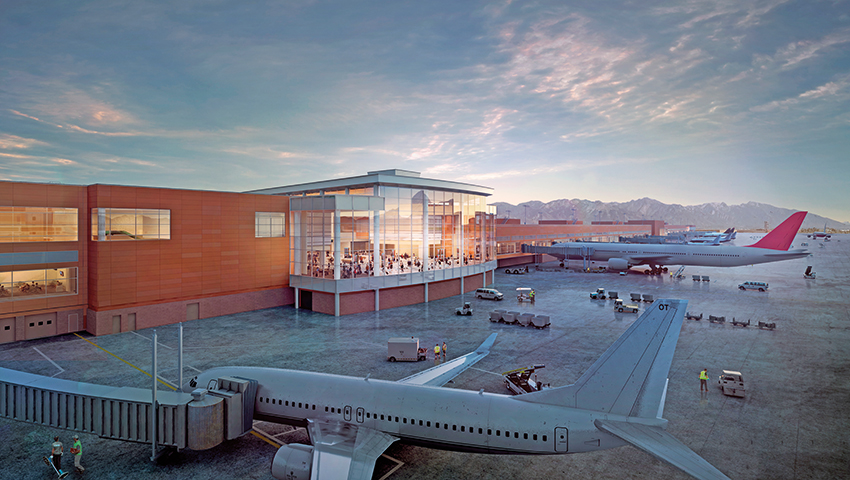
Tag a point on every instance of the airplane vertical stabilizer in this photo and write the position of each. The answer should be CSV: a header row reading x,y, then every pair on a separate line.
x,y
781,237
631,376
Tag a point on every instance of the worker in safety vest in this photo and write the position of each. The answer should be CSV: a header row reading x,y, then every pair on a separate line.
x,y
445,349
703,379
77,452
436,351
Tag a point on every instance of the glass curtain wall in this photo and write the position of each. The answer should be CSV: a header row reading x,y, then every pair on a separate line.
x,y
418,230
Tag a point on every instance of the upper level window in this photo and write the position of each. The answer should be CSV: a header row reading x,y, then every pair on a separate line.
x,y
269,224
38,224
130,224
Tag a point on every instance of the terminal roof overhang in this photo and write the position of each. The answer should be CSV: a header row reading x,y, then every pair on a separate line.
x,y
395,178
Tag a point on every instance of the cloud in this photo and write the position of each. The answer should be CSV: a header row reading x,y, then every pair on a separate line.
x,y
9,142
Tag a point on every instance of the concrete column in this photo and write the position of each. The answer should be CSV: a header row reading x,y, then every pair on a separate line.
x,y
484,278
101,224
376,250
426,292
377,299
461,283
297,297
336,304
425,249
337,245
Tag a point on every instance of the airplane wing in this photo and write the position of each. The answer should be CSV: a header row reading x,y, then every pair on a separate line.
x,y
663,446
441,374
345,451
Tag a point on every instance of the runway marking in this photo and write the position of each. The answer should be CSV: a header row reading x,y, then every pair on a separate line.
x,y
159,379
148,339
398,465
51,361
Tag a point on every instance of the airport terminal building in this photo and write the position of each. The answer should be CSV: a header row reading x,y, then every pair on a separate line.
x,y
109,258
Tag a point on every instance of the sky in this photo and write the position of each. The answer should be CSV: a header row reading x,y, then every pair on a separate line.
x,y
686,102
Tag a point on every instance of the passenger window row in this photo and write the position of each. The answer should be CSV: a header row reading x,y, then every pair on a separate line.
x,y
404,420
463,428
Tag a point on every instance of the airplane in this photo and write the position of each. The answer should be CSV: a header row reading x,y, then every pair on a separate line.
x,y
772,247
352,420
715,238
822,234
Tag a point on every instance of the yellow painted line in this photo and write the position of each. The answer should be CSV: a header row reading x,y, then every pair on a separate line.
x,y
125,361
265,439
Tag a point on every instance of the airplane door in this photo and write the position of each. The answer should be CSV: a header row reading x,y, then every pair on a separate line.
x,y
359,414
346,413
561,439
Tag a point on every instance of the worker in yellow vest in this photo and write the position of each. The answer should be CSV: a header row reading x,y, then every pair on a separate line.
x,y
437,351
703,379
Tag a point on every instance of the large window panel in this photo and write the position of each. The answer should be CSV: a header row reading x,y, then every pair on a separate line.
x,y
38,224
117,224
269,224
25,284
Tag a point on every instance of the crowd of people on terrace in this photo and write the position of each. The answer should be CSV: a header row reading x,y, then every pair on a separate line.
x,y
362,265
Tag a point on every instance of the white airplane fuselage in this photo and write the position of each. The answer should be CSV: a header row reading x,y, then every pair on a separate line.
x,y
435,417
692,255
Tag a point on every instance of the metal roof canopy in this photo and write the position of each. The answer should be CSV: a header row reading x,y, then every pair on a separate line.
x,y
394,177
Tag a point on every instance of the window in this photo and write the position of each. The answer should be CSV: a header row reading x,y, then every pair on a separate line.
x,y
38,224
269,224
49,282
110,224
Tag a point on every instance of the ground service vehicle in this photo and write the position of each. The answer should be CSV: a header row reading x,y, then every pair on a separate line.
x,y
403,349
525,294
489,294
731,383
760,286
466,309
619,306
599,294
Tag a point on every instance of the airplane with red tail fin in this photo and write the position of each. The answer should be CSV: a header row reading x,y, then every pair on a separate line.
x,y
773,247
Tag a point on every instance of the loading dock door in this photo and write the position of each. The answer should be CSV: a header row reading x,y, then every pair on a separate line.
x,y
561,439
7,330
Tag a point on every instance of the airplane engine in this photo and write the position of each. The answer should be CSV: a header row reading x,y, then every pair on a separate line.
x,y
293,462
618,264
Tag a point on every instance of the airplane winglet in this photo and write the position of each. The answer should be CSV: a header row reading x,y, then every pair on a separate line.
x,y
441,374
485,347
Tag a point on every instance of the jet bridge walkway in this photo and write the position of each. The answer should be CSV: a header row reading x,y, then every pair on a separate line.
x,y
563,250
196,421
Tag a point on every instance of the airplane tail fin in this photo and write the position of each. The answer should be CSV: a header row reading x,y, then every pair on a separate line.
x,y
781,237
631,376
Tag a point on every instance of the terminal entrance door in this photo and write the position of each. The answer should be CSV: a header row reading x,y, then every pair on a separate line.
x,y
306,301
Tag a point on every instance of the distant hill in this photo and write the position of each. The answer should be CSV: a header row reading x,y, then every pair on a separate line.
x,y
718,216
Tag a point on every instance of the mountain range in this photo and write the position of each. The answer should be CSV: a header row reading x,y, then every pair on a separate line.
x,y
716,216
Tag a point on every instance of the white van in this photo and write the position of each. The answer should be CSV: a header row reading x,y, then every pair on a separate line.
x,y
760,286
489,293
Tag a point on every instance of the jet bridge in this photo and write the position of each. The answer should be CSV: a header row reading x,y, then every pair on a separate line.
x,y
564,251
197,421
